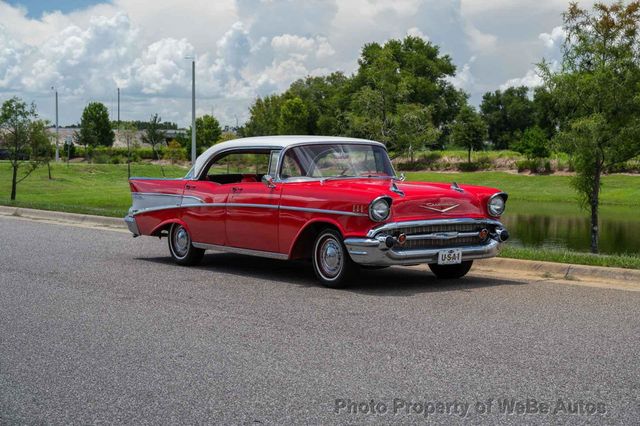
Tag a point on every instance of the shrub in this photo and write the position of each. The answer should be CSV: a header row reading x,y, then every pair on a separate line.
x,y
484,162
174,152
468,167
100,158
535,165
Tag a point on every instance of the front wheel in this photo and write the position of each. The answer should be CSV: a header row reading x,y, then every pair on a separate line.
x,y
331,262
448,272
181,248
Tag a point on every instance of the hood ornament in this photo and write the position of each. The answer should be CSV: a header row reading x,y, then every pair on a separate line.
x,y
455,187
440,208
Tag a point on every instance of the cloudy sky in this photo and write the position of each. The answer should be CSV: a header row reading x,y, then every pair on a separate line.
x,y
248,48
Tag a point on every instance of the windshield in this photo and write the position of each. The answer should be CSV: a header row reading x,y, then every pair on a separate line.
x,y
336,160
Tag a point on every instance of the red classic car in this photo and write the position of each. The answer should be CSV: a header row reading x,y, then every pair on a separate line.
x,y
334,200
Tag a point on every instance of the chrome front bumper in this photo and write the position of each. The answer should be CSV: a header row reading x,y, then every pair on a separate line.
x,y
132,225
374,250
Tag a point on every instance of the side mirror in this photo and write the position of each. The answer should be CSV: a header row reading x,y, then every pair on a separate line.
x,y
268,180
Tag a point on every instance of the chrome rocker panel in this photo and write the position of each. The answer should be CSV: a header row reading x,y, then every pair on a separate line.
x,y
373,251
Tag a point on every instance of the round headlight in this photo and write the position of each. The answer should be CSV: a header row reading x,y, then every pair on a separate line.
x,y
379,209
497,204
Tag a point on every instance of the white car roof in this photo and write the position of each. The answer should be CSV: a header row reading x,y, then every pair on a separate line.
x,y
270,142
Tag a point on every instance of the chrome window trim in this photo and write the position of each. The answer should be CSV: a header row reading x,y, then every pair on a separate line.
x,y
391,226
237,250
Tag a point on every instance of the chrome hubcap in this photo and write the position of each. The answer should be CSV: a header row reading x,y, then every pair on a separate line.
x,y
180,242
330,258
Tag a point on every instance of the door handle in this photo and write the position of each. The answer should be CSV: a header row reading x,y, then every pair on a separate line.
x,y
190,186
236,189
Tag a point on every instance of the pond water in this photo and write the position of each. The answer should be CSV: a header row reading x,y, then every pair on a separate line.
x,y
566,226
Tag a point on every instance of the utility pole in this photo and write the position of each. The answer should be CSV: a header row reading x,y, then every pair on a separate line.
x,y
57,131
193,111
127,137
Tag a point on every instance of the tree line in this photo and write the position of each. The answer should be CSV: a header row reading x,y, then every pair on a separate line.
x,y
402,95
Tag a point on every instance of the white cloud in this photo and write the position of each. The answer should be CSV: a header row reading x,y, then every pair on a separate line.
x,y
478,41
161,68
553,39
249,48
416,32
531,79
464,79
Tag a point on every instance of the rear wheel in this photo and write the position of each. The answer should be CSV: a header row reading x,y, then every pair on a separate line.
x,y
448,272
181,248
331,262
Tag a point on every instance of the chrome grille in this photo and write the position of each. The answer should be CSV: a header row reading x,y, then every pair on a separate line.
x,y
417,244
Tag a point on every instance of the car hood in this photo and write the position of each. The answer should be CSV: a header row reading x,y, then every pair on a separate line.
x,y
421,200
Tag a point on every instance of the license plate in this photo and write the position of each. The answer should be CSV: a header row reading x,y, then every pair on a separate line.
x,y
450,257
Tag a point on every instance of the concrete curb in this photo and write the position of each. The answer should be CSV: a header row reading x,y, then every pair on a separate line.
x,y
503,266
74,218
560,270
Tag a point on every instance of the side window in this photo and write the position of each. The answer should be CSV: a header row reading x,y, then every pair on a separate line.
x,y
239,166
291,166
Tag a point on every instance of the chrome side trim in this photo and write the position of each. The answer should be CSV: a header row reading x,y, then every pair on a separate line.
x,y
160,194
238,250
310,210
249,205
391,226
255,206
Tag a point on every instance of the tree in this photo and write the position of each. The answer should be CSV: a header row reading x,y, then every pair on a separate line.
x,y
534,143
597,92
154,135
545,111
414,129
400,72
469,130
208,131
265,113
95,127
16,125
42,150
293,117
507,115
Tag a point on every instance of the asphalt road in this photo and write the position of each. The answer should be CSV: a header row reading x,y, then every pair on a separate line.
x,y
96,326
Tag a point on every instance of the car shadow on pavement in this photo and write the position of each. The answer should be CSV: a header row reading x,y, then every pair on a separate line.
x,y
394,281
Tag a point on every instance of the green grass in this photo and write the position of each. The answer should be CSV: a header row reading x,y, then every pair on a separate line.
x,y
100,189
616,189
564,256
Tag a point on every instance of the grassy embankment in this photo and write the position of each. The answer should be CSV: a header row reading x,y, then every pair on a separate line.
x,y
102,189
